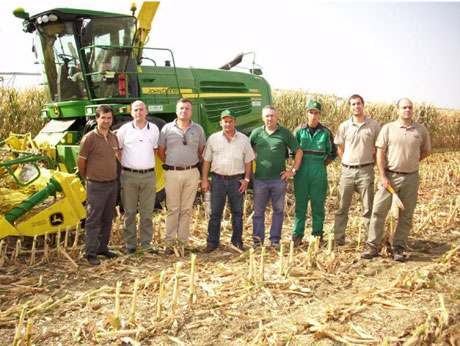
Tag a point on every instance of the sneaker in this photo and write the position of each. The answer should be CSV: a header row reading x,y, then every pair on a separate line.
x,y
108,254
369,252
275,246
209,248
398,254
297,241
93,260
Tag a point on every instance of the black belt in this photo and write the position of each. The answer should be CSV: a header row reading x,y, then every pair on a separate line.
x,y
102,182
397,172
357,166
228,176
138,170
180,168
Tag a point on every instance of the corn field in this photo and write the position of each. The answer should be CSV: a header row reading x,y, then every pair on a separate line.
x,y
313,294
20,111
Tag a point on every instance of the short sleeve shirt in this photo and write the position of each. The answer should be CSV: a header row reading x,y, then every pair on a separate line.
x,y
403,145
99,151
228,157
182,146
358,141
138,145
272,151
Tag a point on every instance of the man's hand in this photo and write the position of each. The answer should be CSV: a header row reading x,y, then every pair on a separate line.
x,y
243,185
384,181
205,186
285,175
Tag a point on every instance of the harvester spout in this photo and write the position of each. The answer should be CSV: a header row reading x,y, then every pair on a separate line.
x,y
232,63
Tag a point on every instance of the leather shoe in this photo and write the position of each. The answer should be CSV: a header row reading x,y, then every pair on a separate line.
x,y
93,260
130,251
276,246
369,252
240,246
169,251
209,248
152,251
108,254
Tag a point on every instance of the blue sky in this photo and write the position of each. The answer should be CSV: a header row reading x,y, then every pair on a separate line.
x,y
382,50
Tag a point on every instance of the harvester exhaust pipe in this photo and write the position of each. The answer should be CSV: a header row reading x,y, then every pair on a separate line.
x,y
232,63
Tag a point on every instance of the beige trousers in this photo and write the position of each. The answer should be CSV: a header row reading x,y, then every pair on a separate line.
x,y
406,186
181,188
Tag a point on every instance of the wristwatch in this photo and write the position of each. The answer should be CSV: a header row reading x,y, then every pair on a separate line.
x,y
247,179
294,170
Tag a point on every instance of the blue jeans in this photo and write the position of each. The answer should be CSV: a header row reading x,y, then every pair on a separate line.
x,y
220,189
264,190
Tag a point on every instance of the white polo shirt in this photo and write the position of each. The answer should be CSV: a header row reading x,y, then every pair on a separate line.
x,y
138,145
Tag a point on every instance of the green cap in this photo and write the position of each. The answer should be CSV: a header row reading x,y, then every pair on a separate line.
x,y
227,113
314,105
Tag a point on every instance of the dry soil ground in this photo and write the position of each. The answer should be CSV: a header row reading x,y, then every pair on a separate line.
x,y
315,296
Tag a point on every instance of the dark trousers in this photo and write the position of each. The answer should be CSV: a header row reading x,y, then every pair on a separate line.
x,y
100,211
220,189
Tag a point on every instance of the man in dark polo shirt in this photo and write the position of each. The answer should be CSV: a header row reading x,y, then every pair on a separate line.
x,y
97,165
270,142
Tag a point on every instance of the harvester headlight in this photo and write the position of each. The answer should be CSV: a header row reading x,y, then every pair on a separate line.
x,y
39,20
89,111
45,19
53,18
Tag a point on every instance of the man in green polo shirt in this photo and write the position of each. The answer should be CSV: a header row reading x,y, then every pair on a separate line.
x,y
271,142
310,183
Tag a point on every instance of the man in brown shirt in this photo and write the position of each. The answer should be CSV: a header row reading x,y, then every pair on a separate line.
x,y
97,165
401,145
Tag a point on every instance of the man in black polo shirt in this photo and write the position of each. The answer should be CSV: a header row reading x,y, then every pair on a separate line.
x,y
97,165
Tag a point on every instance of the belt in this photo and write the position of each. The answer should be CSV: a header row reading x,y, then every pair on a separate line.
x,y
180,168
357,166
138,170
102,182
228,176
397,172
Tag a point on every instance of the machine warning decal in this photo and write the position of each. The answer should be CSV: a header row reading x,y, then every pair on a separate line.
x,y
155,108
256,103
56,219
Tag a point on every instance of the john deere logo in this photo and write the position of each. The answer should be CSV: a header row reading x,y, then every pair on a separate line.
x,y
56,219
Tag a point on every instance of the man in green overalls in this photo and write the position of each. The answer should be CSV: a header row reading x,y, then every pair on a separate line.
x,y
310,182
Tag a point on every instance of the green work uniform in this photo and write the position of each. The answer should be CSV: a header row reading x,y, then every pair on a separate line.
x,y
310,182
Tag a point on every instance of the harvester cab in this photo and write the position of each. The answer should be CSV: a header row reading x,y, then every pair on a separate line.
x,y
91,58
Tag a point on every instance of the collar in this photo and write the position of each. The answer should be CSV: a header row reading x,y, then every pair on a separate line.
x,y
192,123
319,127
412,124
135,127
366,120
96,131
277,128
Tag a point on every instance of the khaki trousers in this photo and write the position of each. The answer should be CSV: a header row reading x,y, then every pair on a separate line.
x,y
360,180
138,192
406,186
181,188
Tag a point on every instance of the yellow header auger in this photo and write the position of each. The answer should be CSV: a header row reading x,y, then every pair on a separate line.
x,y
27,181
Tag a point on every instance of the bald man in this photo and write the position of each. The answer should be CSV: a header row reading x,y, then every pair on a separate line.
x,y
138,141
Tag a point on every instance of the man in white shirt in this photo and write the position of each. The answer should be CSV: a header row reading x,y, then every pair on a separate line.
x,y
138,141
